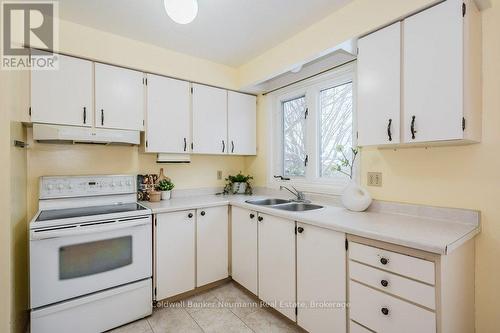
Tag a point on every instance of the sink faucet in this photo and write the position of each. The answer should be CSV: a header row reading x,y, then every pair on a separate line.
x,y
300,197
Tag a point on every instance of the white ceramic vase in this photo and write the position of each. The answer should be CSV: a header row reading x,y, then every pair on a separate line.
x,y
239,188
356,198
166,195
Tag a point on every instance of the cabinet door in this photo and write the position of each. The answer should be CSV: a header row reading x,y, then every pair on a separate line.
x,y
175,253
209,120
244,247
119,97
168,115
433,73
379,87
212,245
63,96
321,250
277,263
241,123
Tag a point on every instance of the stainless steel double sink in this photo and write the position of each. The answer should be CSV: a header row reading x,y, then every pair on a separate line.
x,y
283,204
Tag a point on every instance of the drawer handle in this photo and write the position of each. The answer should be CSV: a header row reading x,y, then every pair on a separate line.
x,y
252,216
385,311
384,283
384,261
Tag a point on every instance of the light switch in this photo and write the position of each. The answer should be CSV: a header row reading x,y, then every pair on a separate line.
x,y
374,179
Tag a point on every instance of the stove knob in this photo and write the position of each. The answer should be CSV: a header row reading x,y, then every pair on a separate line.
x,y
122,183
129,182
60,186
113,184
50,187
70,186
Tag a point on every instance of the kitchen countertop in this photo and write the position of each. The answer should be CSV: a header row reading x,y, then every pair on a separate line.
x,y
428,234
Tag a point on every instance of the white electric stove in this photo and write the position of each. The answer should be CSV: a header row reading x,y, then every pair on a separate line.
x,y
90,255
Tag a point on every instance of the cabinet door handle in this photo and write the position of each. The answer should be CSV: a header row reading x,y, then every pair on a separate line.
x,y
300,230
389,130
202,213
84,115
102,117
190,215
223,146
385,311
232,146
185,144
384,261
252,216
412,127
260,218
384,283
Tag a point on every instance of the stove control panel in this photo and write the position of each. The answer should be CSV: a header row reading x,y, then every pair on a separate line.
x,y
83,186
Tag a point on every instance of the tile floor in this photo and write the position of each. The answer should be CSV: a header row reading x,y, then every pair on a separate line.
x,y
224,309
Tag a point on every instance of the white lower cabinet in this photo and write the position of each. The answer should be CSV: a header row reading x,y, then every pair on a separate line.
x,y
321,274
211,245
244,248
175,253
277,263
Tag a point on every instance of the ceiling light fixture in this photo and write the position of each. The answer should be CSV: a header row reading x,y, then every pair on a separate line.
x,y
181,11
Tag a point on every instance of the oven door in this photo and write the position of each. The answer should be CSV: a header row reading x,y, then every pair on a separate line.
x,y
70,261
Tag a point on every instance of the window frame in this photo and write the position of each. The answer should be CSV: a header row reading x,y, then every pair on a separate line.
x,y
310,88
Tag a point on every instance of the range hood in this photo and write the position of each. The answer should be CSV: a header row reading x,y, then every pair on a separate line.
x,y
46,133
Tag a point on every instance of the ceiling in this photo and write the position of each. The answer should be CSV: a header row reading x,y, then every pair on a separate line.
x,y
229,32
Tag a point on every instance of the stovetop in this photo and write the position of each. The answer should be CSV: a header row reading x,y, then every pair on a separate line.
x,y
67,213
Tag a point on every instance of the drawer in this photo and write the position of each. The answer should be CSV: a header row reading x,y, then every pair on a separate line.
x,y
412,267
356,328
411,290
367,306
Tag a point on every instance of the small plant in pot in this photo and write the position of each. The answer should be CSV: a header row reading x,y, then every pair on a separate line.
x,y
165,186
238,184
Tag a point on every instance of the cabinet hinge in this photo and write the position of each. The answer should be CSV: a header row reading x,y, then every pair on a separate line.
x,y
357,135
306,113
346,244
155,291
464,9
296,311
155,221
192,146
146,143
29,111
146,80
295,229
463,123
306,160
192,90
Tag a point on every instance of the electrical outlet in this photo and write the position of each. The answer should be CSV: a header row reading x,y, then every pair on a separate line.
x,y
374,178
219,174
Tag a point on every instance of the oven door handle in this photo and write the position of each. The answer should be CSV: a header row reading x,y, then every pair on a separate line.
x,y
78,230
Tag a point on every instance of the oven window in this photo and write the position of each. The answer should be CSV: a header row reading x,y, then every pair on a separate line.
x,y
94,257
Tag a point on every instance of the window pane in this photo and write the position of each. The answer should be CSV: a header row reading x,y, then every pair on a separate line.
x,y
336,127
294,137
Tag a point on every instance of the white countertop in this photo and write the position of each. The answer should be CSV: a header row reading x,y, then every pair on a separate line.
x,y
427,234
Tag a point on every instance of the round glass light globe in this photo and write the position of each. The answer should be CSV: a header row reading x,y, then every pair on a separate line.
x,y
181,11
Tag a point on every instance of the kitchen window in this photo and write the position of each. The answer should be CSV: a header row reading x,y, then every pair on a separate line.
x,y
309,121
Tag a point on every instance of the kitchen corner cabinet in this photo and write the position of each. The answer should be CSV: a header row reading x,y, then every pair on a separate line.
x,y
63,96
276,255
168,115
244,248
241,123
119,98
379,86
440,78
211,245
321,272
175,253
209,120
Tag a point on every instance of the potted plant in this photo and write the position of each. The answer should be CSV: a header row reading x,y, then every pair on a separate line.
x,y
165,186
238,184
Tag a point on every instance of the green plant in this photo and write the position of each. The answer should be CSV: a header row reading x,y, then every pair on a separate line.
x,y
346,162
238,179
165,185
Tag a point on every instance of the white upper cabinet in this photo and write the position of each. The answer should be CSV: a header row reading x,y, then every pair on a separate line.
x,y
321,250
119,98
209,120
441,81
63,96
211,245
241,123
379,87
168,115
